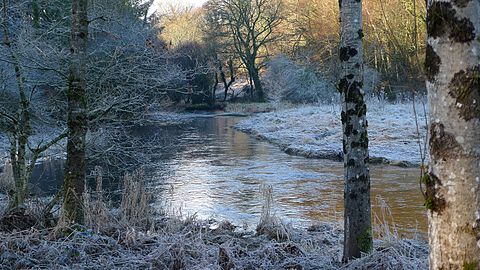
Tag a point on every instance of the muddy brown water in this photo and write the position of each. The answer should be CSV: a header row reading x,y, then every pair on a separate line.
x,y
218,172
208,169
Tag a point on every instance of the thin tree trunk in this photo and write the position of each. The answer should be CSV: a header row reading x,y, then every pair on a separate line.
x,y
232,78
357,217
250,80
77,115
453,183
22,128
214,90
223,78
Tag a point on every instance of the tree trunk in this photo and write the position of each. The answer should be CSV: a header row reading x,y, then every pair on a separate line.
x,y
232,78
22,128
258,85
357,217
214,90
77,115
453,184
223,78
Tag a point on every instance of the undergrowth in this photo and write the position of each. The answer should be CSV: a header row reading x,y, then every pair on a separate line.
x,y
128,238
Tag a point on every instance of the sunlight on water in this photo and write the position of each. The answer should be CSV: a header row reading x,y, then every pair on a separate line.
x,y
209,169
216,172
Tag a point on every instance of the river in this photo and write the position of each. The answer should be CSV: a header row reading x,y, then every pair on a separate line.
x,y
214,171
209,169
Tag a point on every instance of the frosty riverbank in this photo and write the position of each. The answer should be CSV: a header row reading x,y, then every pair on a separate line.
x,y
316,132
107,242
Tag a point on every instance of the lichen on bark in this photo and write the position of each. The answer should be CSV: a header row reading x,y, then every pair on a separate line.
x,y
465,89
442,19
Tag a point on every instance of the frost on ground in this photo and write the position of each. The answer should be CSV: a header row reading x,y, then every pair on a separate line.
x,y
128,238
316,131
193,244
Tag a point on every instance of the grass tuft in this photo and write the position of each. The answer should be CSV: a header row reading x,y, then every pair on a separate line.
x,y
270,225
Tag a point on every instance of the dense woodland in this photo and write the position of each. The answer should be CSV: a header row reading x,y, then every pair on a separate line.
x,y
79,77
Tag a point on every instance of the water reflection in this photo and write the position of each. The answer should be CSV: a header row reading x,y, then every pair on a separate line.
x,y
215,171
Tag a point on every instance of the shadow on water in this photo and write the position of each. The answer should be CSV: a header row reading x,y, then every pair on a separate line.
x,y
47,177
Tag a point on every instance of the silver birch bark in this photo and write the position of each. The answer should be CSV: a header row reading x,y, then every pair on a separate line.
x,y
453,183
357,217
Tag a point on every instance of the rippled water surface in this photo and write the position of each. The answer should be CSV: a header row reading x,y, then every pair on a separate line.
x,y
209,169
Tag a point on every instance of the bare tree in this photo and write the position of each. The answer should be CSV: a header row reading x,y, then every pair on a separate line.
x,y
19,107
357,216
216,38
128,74
250,26
452,184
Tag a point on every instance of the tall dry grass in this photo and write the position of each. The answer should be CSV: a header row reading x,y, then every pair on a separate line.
x,y
6,178
135,209
269,224
97,212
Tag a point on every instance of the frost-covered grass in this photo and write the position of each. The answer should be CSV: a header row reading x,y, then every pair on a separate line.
x,y
256,107
316,131
109,241
193,244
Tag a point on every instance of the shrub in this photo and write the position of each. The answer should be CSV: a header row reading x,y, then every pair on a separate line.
x,y
286,80
196,86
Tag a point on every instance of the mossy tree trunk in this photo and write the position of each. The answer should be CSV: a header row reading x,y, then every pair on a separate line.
x,y
453,182
258,84
77,115
357,217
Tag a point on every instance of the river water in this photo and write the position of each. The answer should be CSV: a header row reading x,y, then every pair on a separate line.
x,y
209,169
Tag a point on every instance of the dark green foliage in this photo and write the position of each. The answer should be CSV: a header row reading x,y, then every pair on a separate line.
x,y
426,179
470,266
364,241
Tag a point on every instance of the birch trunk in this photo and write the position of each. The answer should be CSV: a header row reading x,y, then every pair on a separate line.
x,y
453,183
357,217
77,115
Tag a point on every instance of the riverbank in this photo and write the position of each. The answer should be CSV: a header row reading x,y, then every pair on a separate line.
x,y
185,242
109,241
193,244
316,132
